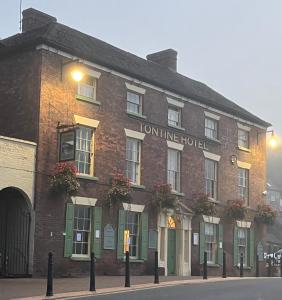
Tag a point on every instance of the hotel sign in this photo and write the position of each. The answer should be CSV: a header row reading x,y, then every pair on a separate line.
x,y
173,136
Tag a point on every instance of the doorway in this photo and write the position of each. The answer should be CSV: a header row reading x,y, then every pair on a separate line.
x,y
15,221
171,247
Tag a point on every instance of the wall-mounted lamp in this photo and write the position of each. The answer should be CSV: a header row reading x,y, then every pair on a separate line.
x,y
233,159
74,69
273,139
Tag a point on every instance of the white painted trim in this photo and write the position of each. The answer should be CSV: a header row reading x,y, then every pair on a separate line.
x,y
211,219
175,102
84,201
134,134
86,121
135,88
211,156
176,146
212,116
93,73
62,53
243,127
243,165
17,140
244,224
133,207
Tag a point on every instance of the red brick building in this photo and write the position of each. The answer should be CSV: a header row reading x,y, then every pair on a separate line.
x,y
144,119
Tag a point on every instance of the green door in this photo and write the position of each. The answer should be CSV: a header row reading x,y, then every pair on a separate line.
x,y
171,251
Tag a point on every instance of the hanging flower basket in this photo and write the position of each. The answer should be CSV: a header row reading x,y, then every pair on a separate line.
x,y
265,214
64,180
163,198
236,209
120,189
201,205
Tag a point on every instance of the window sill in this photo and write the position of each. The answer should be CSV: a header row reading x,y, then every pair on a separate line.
x,y
131,114
177,193
80,258
244,149
87,99
138,186
176,127
213,140
88,177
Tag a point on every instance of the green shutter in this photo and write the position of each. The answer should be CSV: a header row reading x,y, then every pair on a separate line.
x,y
69,230
121,227
235,246
144,236
96,231
251,246
202,242
220,241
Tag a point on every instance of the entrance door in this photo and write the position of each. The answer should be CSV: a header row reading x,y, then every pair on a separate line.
x,y
14,232
171,251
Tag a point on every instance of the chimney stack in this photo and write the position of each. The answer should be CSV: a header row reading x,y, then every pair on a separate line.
x,y
166,58
33,19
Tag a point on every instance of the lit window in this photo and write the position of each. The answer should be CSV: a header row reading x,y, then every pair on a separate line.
x,y
211,242
211,178
87,87
174,116
134,103
173,169
84,150
132,234
81,230
244,184
133,148
171,223
242,244
243,138
211,128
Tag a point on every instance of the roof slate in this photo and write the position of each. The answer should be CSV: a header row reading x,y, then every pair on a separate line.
x,y
97,51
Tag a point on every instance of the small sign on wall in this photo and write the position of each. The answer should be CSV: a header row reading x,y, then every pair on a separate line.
x,y
109,237
195,238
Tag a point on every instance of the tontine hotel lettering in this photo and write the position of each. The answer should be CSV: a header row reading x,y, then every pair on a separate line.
x,y
172,136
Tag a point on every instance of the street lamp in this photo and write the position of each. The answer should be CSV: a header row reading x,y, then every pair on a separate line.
x,y
74,69
273,141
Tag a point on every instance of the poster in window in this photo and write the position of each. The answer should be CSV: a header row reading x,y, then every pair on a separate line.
x,y
67,145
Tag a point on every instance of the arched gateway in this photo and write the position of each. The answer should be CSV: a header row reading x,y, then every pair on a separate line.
x,y
15,225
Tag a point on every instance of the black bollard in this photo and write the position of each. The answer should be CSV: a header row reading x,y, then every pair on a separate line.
x,y
224,265
257,265
127,275
269,271
281,266
205,266
92,273
157,280
49,291
241,265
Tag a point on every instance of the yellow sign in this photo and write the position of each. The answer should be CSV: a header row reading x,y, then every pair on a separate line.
x,y
126,243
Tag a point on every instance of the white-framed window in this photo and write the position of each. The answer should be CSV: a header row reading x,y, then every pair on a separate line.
x,y
132,234
81,230
211,178
174,116
243,138
211,242
243,245
133,154
243,183
134,103
84,155
173,169
87,87
211,128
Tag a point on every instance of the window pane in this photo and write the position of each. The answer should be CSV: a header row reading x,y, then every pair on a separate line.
x,y
134,103
174,117
86,87
211,178
211,128
133,160
173,169
211,242
81,229
132,228
243,138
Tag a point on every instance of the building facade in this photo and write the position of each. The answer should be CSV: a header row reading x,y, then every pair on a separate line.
x,y
140,118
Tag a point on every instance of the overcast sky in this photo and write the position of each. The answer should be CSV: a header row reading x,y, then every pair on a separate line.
x,y
234,46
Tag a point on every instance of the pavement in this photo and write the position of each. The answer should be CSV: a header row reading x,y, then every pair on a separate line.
x,y
66,288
